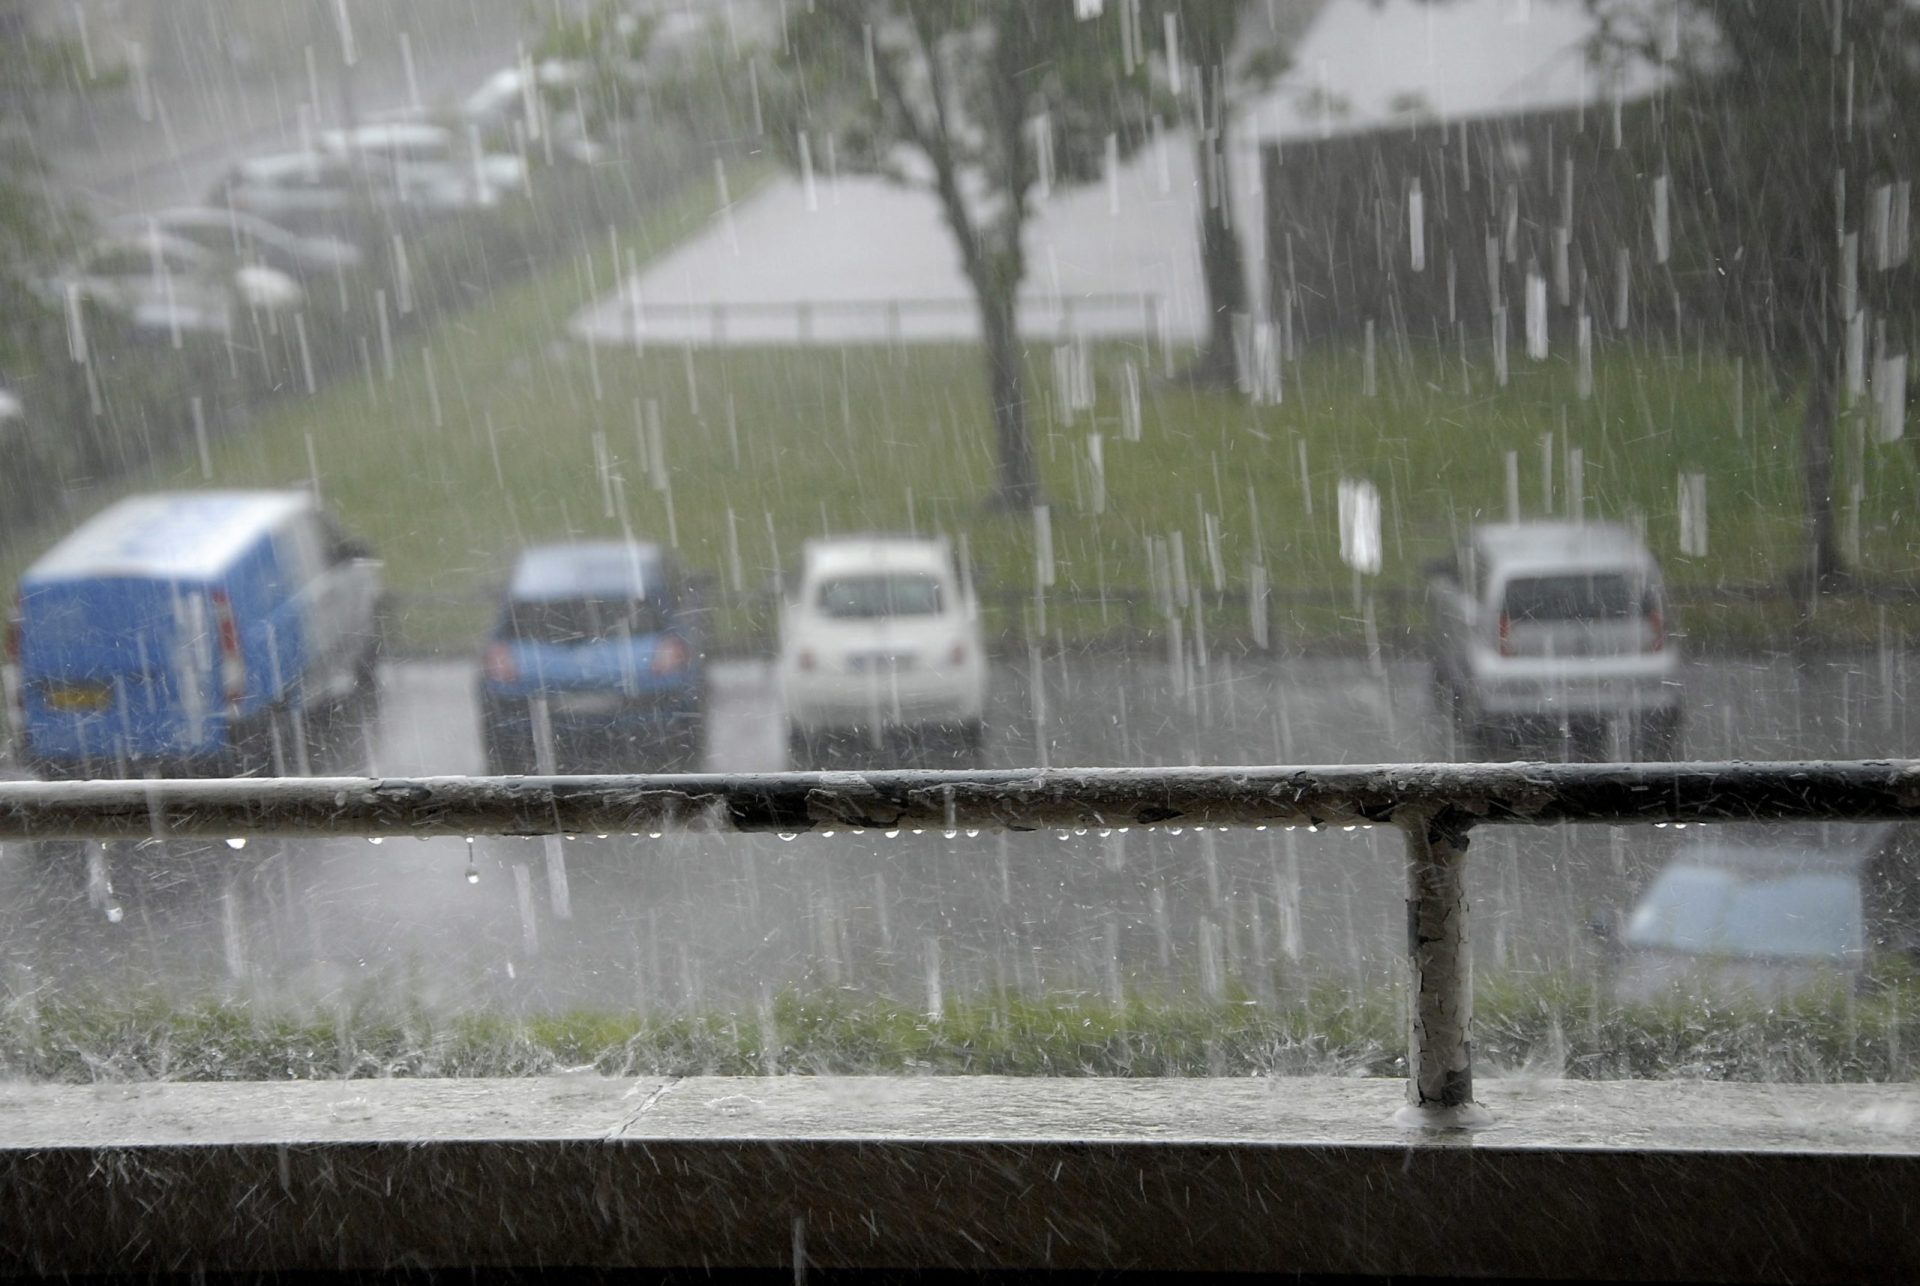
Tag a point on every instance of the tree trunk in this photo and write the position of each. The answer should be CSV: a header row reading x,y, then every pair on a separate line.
x,y
1221,266
1823,566
1016,486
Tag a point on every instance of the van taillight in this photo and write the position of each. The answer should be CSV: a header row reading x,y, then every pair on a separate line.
x,y
13,634
499,663
959,654
670,655
1506,635
1656,628
233,664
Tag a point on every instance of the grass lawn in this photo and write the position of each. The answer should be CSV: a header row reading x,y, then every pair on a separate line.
x,y
495,432
1531,1024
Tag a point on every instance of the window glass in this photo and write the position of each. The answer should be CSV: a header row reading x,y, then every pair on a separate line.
x,y
1598,597
872,597
1255,310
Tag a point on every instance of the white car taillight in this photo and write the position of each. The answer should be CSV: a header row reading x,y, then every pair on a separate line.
x,y
233,663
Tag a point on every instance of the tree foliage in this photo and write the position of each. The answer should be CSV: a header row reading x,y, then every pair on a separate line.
x,y
1787,131
985,103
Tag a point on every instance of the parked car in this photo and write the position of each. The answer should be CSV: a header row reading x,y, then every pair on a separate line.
x,y
165,284
429,162
513,106
304,191
881,634
191,632
1767,911
247,239
595,658
1539,625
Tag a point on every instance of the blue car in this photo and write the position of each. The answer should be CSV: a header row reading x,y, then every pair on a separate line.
x,y
595,663
192,633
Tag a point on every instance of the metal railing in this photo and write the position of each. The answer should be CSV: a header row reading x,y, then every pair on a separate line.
x,y
1436,806
892,321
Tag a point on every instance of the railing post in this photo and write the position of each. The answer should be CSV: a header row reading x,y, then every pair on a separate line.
x,y
1439,1044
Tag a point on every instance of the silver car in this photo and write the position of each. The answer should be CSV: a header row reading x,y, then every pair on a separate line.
x,y
1550,628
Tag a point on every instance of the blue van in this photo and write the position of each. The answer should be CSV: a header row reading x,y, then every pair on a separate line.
x,y
191,633
595,659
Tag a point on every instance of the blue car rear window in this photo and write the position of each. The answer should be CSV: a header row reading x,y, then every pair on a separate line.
x,y
568,621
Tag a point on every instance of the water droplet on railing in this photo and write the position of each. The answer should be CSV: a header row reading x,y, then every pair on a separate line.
x,y
375,839
786,837
114,913
237,842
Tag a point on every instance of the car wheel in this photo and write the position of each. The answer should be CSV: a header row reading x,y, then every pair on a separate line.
x,y
1656,736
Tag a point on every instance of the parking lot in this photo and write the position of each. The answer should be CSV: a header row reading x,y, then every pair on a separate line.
x,y
699,921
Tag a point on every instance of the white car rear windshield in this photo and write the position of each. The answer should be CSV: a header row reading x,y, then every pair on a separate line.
x,y
862,598
1606,596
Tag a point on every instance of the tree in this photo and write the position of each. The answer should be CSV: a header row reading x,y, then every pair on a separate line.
x,y
1789,128
1222,53
980,101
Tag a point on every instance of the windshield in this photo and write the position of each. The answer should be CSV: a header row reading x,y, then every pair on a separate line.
x,y
1599,596
996,387
865,598
1714,911
569,621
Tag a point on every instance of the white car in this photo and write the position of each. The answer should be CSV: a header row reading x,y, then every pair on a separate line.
x,y
422,158
165,283
1543,625
513,103
881,634
246,237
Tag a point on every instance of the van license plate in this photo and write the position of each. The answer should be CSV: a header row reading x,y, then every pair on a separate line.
x,y
80,697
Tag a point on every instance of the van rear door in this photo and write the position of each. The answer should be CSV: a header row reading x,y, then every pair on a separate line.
x,y
117,667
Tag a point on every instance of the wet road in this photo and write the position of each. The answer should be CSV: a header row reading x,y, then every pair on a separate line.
x,y
688,921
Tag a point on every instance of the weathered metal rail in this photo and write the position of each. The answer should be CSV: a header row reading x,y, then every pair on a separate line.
x,y
1435,805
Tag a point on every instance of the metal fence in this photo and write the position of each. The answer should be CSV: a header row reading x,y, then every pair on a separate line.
x,y
891,321
1435,806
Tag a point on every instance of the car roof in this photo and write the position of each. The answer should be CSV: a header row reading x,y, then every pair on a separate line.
x,y
281,166
176,535
388,134
598,568
1760,850
146,239
189,216
1557,545
832,556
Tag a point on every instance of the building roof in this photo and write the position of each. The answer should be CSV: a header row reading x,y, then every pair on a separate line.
x,y
177,535
1368,64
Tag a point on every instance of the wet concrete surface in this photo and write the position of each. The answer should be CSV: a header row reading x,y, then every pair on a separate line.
x,y
720,922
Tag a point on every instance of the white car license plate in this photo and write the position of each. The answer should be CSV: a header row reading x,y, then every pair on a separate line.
x,y
584,702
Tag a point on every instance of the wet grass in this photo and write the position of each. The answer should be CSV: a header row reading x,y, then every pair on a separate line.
x,y
495,431
764,448
1526,1026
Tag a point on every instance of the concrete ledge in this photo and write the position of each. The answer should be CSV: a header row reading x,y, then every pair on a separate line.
x,y
1575,1180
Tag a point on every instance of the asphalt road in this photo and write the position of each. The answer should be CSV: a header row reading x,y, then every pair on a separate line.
x,y
693,921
